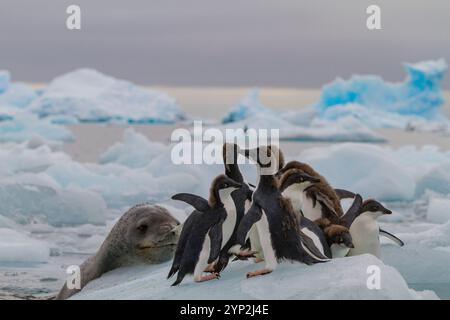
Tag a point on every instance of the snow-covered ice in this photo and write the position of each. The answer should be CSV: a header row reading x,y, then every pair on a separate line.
x,y
344,278
90,96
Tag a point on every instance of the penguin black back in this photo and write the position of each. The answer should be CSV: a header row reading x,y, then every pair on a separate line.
x,y
205,221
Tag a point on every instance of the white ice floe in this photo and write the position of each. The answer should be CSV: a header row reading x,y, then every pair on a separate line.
x,y
135,151
88,95
438,210
344,278
18,247
382,172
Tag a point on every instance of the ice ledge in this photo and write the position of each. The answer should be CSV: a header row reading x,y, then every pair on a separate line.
x,y
339,279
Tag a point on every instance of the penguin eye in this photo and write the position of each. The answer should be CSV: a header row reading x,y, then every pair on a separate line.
x,y
142,228
225,185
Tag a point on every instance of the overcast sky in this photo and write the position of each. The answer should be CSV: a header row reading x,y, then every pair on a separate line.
x,y
299,43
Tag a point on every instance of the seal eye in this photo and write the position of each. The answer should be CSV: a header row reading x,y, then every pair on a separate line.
x,y
142,228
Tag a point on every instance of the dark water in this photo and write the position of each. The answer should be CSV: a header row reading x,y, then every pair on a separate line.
x,y
441,289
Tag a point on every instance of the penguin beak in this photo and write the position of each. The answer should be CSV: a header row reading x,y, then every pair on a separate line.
x,y
237,185
309,178
348,240
387,211
249,154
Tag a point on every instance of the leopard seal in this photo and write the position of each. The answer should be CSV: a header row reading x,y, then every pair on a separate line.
x,y
145,234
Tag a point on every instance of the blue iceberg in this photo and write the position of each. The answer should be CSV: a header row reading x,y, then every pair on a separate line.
x,y
90,96
250,105
419,95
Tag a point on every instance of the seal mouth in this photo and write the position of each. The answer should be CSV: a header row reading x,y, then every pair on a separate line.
x,y
156,246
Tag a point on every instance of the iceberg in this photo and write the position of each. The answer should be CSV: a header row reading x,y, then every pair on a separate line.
x,y
289,281
250,105
25,127
437,179
345,130
90,96
438,210
5,78
135,151
18,247
367,169
25,203
370,97
18,95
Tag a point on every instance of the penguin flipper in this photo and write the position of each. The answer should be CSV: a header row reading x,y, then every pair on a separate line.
x,y
248,220
353,211
309,245
344,194
215,235
391,237
197,202
184,236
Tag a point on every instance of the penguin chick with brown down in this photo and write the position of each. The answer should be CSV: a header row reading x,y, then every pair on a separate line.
x,y
276,226
317,200
338,237
205,232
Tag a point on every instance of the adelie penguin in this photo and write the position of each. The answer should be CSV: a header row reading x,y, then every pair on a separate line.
x,y
336,236
364,227
241,199
203,235
317,200
277,228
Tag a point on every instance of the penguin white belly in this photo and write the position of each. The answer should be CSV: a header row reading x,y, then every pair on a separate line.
x,y
230,221
202,262
339,251
365,235
309,210
266,242
255,243
294,194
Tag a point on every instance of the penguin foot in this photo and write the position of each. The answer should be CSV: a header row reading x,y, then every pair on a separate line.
x,y
243,254
208,277
259,272
210,268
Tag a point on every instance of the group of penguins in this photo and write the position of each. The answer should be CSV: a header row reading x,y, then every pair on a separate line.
x,y
291,214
